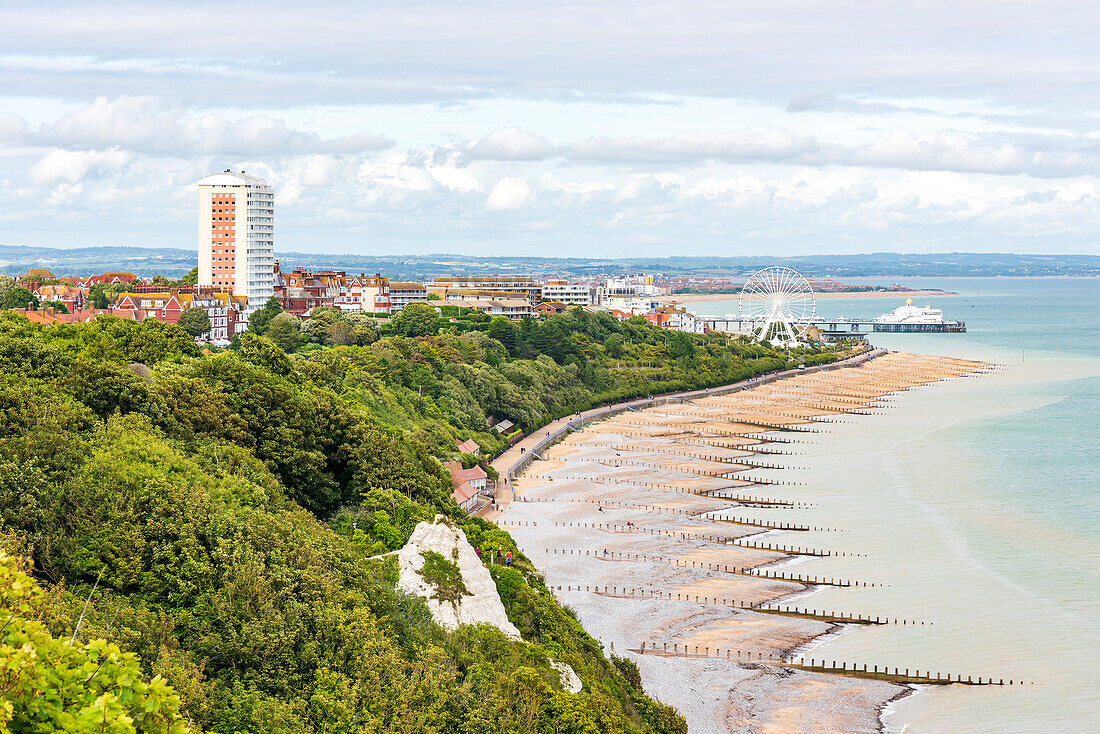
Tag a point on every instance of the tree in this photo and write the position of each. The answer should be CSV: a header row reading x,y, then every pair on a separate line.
x,y
98,294
259,320
263,353
614,345
195,321
57,306
17,298
7,283
501,329
416,319
51,685
286,331
191,278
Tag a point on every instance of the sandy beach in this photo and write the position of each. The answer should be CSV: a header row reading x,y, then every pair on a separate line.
x,y
635,521
708,297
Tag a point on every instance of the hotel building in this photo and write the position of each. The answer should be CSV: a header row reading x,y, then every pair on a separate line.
x,y
237,236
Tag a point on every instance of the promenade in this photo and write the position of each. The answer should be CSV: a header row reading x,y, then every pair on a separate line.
x,y
510,463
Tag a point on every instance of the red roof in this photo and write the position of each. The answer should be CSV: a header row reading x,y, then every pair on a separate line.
x,y
463,492
469,447
459,476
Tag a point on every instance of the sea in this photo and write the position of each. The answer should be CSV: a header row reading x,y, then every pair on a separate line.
x,y
975,503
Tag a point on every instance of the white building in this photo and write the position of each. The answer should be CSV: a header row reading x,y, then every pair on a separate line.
x,y
402,294
562,291
628,297
237,236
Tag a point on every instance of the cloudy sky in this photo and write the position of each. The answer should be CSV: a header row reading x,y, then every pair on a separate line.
x,y
559,128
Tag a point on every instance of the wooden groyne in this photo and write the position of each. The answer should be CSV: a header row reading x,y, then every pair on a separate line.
x,y
903,676
823,615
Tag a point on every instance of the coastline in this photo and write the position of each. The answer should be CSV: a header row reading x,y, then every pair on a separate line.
x,y
609,501
712,297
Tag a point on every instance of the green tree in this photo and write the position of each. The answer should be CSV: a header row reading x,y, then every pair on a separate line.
x,y
57,306
50,685
285,330
195,321
17,297
265,354
191,278
98,295
614,345
6,284
259,320
501,329
416,319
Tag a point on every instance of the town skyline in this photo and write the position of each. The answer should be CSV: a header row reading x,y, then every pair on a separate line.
x,y
425,130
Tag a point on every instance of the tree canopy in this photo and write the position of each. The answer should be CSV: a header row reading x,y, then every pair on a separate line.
x,y
195,321
221,515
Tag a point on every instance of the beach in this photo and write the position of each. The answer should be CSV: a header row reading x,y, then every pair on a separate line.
x,y
644,525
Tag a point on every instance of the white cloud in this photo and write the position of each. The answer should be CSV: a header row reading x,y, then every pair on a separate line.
x,y
510,144
66,166
754,143
150,125
320,170
510,194
12,127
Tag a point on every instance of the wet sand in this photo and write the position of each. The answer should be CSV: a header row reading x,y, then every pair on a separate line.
x,y
629,520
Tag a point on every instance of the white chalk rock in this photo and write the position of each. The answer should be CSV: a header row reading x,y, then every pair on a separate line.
x,y
569,679
482,606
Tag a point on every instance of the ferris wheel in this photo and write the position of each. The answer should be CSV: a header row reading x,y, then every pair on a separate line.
x,y
775,300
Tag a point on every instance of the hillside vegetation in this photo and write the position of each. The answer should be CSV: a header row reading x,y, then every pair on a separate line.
x,y
201,526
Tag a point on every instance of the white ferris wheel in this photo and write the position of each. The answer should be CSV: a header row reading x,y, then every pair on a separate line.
x,y
777,301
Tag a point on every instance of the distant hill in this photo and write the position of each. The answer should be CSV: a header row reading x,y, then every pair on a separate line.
x,y
174,262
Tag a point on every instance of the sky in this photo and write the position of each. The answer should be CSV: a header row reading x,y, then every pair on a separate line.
x,y
603,128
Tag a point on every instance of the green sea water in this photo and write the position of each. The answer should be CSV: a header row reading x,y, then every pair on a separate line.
x,y
977,504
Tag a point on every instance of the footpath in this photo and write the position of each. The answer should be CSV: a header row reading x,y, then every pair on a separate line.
x,y
513,461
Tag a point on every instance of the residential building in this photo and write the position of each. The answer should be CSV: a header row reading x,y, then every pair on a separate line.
x,y
526,287
470,446
38,274
513,308
470,294
300,291
548,308
237,236
226,311
363,293
402,294
48,315
109,279
72,296
671,317
580,294
632,298
466,484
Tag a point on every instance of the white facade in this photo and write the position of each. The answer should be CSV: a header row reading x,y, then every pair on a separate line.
x,y
580,294
237,236
631,304
402,294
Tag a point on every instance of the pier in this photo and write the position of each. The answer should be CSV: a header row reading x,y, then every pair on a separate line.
x,y
837,328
